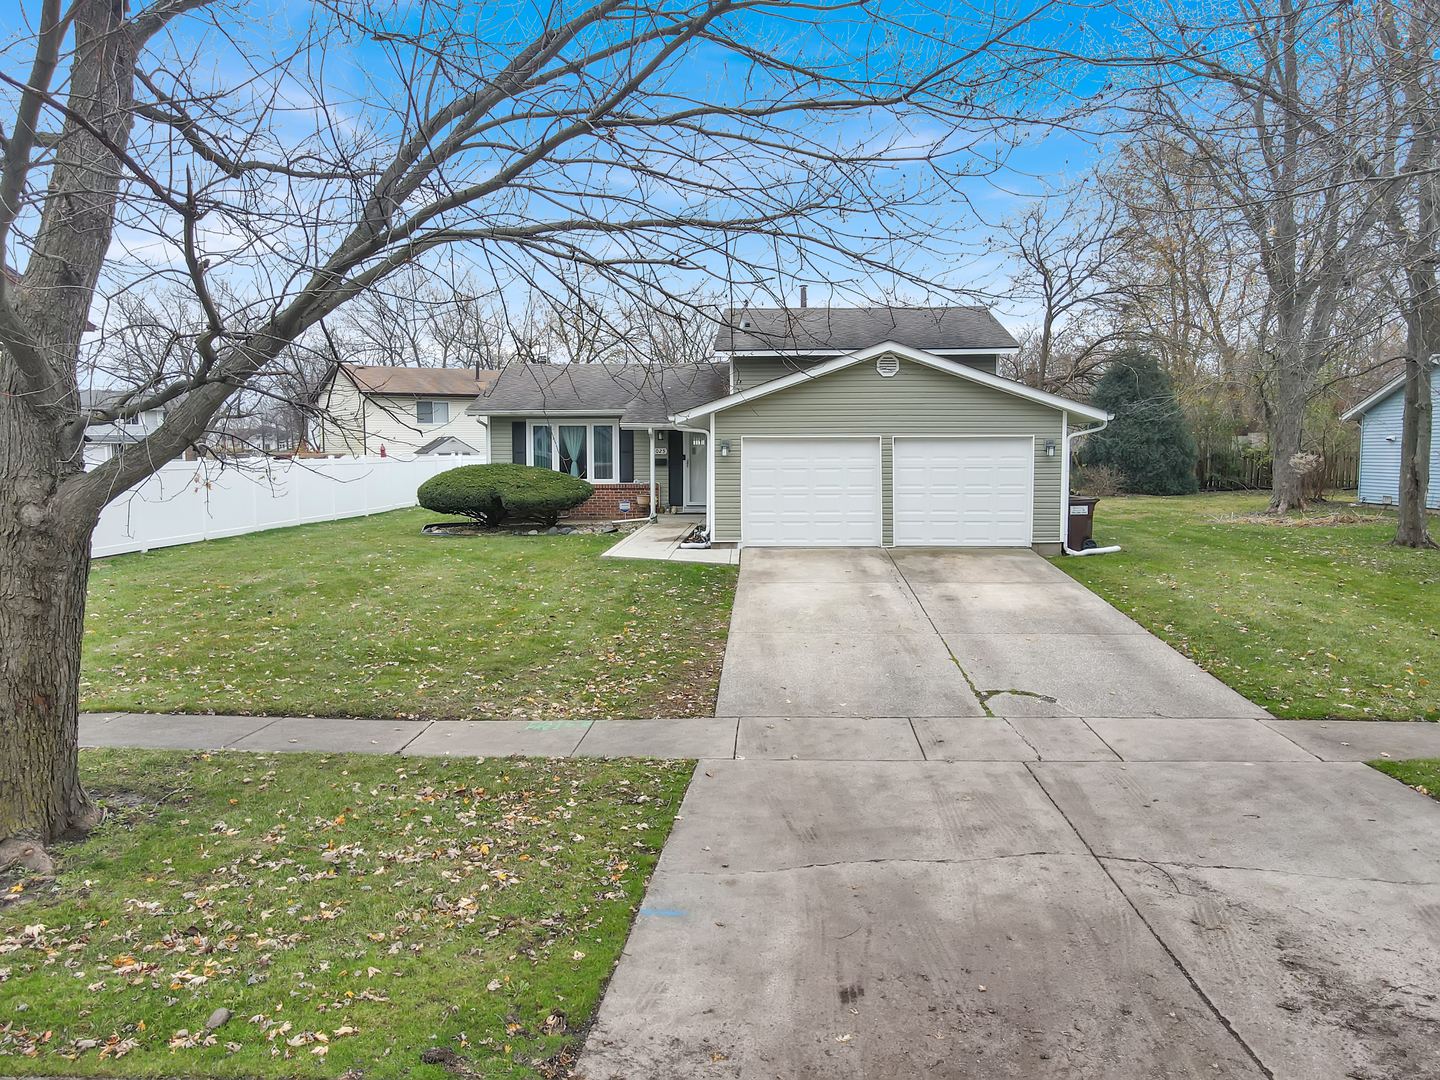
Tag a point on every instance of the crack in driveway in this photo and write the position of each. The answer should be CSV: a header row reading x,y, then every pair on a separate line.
x,y
982,697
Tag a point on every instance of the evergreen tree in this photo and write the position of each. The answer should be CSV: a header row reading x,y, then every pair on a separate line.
x,y
1148,442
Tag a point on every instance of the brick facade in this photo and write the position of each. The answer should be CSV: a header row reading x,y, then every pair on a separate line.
x,y
604,505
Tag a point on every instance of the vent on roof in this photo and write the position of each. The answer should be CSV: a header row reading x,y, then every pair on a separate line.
x,y
887,365
744,324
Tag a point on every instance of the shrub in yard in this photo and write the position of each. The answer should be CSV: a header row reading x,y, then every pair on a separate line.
x,y
493,493
1148,442
1099,481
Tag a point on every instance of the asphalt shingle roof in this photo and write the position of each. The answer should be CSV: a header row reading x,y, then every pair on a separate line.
x,y
637,393
440,382
847,330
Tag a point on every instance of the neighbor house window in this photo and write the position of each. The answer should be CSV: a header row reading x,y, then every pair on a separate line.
x,y
589,451
432,412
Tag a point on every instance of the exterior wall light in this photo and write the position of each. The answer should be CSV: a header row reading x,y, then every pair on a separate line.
x,y
725,448
1049,447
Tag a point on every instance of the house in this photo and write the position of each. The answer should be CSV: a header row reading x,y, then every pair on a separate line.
x,y
607,423
104,441
815,427
1380,417
410,410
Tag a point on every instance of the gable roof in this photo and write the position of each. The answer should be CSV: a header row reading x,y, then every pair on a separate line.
x,y
640,394
419,381
448,443
846,330
1380,395
919,356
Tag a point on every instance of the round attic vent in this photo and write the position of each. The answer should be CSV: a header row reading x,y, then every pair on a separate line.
x,y
887,365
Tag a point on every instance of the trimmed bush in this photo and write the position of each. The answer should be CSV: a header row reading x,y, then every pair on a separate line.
x,y
493,493
1148,442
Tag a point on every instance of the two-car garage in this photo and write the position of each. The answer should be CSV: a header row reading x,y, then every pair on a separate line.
x,y
829,491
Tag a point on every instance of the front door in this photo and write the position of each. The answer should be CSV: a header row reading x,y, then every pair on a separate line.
x,y
697,465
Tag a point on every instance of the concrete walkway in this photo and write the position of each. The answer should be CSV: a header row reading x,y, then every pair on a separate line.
x,y
805,738
1000,831
660,541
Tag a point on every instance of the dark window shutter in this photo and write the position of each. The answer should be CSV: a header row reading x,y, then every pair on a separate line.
x,y
677,468
627,456
517,442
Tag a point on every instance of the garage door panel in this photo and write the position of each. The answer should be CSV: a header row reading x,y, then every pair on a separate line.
x,y
810,492
976,492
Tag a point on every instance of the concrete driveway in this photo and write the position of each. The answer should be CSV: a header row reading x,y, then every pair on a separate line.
x,y
991,828
945,632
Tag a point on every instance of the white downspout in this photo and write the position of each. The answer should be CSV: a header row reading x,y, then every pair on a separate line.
x,y
1065,491
654,489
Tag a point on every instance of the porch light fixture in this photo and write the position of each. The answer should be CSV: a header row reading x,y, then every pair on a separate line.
x,y
1049,447
725,448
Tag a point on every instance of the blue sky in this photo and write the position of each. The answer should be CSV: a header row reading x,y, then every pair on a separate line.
x,y
956,222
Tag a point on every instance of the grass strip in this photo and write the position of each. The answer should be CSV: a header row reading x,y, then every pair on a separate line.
x,y
1312,616
357,915
368,617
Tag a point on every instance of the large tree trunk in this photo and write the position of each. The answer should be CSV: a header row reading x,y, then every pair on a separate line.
x,y
45,534
1423,325
1294,380
43,572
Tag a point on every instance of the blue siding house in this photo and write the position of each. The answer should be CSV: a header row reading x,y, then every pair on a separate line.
x,y
1379,417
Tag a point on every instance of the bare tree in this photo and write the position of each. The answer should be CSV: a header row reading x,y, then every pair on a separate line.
x,y
1059,250
588,136
1257,100
1407,171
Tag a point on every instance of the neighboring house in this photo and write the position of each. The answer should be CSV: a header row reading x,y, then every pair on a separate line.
x,y
411,410
104,441
816,427
1380,417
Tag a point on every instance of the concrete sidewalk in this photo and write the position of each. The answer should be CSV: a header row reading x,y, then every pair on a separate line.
x,y
785,738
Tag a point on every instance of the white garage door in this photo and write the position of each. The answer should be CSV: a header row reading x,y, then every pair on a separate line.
x,y
810,492
965,492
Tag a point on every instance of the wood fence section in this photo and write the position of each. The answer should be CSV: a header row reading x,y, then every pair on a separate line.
x,y
1255,472
186,502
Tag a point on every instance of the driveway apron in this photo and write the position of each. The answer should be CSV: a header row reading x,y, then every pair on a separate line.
x,y
981,824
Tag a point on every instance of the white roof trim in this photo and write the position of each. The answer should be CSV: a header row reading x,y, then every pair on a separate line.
x,y
919,356
1009,350
1381,394
1374,399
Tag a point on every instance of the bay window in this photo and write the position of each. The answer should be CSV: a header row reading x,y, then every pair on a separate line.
x,y
586,449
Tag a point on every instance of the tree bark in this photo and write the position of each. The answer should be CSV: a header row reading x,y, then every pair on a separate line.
x,y
1294,380
45,537
42,611
1422,318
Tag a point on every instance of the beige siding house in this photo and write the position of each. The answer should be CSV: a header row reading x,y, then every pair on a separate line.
x,y
406,410
815,427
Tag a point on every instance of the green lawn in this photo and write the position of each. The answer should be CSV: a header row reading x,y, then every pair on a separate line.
x,y
1422,774
1306,621
367,617
351,913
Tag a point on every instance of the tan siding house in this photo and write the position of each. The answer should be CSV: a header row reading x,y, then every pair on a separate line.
x,y
818,427
916,401
364,410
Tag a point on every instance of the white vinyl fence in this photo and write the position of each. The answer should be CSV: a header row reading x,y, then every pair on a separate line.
x,y
189,501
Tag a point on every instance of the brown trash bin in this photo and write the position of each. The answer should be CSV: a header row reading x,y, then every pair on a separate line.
x,y
1081,524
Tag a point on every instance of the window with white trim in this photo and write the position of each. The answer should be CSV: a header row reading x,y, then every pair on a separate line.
x,y
432,412
584,448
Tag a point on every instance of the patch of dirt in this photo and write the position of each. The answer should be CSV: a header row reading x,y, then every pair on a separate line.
x,y
1302,521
